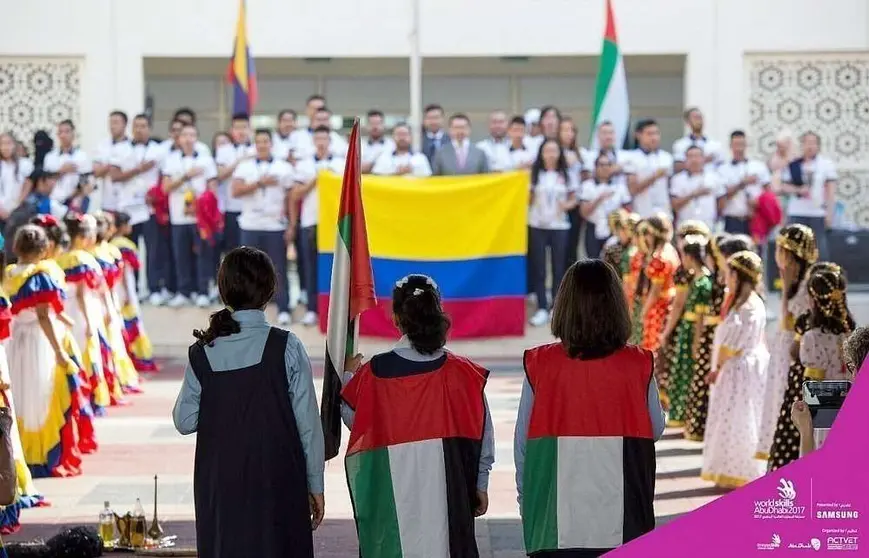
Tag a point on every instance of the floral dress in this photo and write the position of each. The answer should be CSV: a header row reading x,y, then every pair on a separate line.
x,y
821,354
740,356
662,266
784,380
635,294
682,280
682,362
697,406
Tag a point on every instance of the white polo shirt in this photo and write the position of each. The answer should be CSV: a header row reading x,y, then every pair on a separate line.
x,y
12,178
520,157
657,196
732,173
263,209
617,157
67,184
337,144
295,141
107,151
551,188
497,152
708,145
816,173
130,196
388,162
310,214
372,150
704,208
201,148
177,164
533,143
590,190
227,155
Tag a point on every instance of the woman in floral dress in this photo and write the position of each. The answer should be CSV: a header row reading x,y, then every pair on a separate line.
x,y
795,252
739,362
656,281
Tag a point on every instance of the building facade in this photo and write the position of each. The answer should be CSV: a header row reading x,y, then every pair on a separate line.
x,y
758,66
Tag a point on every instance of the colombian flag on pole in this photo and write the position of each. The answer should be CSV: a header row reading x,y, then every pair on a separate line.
x,y
242,72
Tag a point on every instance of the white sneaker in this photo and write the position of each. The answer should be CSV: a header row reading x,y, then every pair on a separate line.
x,y
284,319
310,319
203,301
178,301
540,318
156,299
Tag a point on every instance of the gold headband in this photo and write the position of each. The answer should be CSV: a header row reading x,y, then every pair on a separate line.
x,y
801,245
748,263
693,226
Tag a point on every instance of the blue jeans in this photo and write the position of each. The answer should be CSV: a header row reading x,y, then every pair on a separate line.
x,y
819,227
556,241
308,256
184,240
272,243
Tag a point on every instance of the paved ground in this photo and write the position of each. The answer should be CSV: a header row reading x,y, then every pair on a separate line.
x,y
139,441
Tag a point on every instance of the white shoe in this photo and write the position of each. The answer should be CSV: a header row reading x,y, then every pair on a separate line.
x,y
156,299
540,318
303,298
310,319
178,301
203,301
284,319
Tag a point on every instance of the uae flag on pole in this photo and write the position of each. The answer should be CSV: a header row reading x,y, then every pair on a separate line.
x,y
351,293
611,89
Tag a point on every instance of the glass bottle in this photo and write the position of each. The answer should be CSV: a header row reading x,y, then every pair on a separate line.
x,y
107,523
137,533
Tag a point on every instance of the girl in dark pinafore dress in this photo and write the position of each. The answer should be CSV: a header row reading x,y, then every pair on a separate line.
x,y
248,393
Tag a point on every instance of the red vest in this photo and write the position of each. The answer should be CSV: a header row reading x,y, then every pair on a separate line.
x,y
443,403
597,397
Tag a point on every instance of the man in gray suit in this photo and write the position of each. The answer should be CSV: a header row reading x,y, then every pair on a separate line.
x,y
459,156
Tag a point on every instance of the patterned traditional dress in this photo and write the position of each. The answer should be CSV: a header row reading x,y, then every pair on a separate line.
x,y
27,495
682,364
736,398
612,255
697,406
135,336
784,380
40,385
682,280
634,294
660,270
821,354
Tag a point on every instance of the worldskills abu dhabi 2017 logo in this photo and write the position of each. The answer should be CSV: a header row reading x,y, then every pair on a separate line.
x,y
785,506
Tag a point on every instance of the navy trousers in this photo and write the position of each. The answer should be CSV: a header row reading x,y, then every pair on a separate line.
x,y
272,243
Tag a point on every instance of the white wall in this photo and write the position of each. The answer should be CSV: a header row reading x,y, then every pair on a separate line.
x,y
112,36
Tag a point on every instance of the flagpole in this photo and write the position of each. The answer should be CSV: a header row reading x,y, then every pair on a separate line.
x,y
415,78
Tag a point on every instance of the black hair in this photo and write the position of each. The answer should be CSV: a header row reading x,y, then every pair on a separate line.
x,y
325,109
517,120
246,281
42,146
81,542
374,112
263,131
178,121
550,108
431,107
693,148
243,116
315,97
325,129
184,111
77,225
66,122
694,248
645,123
838,318
121,114
736,243
30,240
102,226
285,112
55,230
143,116
688,112
737,134
537,167
122,218
812,134
416,304
591,289
460,116
401,125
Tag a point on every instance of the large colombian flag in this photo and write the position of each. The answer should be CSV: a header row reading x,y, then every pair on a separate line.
x,y
241,72
352,289
466,232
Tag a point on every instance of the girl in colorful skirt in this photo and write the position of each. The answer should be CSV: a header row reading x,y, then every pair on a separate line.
x,y
795,251
79,386
27,495
138,343
110,260
689,326
682,280
830,323
656,281
39,366
634,282
87,308
739,361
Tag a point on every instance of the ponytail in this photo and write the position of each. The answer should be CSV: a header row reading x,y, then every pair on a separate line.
x,y
220,324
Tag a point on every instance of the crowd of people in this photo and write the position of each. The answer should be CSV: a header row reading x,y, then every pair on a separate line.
x,y
189,202
73,342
